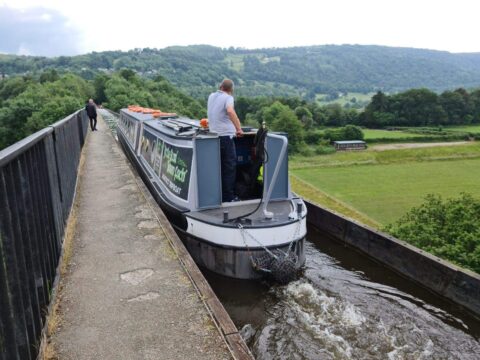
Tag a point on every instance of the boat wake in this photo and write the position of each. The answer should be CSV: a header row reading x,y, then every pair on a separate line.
x,y
314,318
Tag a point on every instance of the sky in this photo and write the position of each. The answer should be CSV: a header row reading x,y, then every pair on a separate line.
x,y
53,28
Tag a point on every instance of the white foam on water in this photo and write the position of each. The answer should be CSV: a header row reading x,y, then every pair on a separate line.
x,y
352,316
323,316
390,339
330,314
428,351
392,355
423,348
342,347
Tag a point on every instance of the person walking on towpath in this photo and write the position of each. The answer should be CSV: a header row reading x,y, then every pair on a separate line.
x,y
91,109
224,121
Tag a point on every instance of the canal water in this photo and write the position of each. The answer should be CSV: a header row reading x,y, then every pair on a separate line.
x,y
346,306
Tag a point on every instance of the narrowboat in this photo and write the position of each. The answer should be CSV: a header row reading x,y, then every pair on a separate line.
x,y
260,235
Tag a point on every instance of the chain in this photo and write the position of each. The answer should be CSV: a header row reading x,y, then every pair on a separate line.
x,y
295,235
244,232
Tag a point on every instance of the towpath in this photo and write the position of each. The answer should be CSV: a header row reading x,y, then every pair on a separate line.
x,y
125,295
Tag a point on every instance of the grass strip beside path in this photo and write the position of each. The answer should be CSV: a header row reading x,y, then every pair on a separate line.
x,y
309,192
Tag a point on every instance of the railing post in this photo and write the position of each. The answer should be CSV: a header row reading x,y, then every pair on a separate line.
x,y
12,269
8,343
81,134
54,188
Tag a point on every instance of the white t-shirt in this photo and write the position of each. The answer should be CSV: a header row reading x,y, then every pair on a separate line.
x,y
218,119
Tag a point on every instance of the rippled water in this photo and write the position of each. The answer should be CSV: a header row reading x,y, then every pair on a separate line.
x,y
345,306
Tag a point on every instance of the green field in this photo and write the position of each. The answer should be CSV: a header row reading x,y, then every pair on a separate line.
x,y
382,186
373,157
388,136
468,128
346,99
371,134
235,61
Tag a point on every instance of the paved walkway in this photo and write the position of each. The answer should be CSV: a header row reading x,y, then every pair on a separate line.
x,y
125,295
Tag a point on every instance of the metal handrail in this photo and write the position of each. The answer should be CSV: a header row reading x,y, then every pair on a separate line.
x,y
14,150
283,151
38,178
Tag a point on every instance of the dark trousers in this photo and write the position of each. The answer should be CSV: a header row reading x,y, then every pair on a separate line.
x,y
229,166
93,122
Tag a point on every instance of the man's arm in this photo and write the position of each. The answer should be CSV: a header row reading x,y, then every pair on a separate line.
x,y
235,120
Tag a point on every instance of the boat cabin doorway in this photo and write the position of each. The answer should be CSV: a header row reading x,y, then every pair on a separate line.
x,y
251,155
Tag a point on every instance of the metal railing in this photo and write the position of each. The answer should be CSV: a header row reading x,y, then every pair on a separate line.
x,y
38,178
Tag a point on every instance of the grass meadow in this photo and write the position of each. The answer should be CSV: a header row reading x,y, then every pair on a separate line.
x,y
378,187
343,100
475,129
371,134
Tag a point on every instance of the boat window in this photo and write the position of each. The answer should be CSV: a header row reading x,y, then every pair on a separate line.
x,y
129,129
157,157
148,144
176,164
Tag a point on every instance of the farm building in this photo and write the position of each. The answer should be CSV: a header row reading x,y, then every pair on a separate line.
x,y
350,145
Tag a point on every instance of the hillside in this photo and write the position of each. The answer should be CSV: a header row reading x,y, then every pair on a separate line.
x,y
30,103
302,71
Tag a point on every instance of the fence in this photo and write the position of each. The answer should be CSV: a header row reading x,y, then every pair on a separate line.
x,y
38,177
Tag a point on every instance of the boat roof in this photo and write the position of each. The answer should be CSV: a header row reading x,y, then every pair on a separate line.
x,y
184,128
146,116
171,125
349,142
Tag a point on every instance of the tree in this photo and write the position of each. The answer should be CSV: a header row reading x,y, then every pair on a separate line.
x,y
349,132
448,228
127,74
39,105
475,100
158,93
454,105
418,107
379,103
334,115
352,132
283,119
14,86
305,116
49,76
99,83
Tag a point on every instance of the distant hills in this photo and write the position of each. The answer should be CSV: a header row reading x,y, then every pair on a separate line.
x,y
299,71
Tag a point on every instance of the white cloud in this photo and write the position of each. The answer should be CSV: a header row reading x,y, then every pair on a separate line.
x,y
46,17
23,50
37,31
443,25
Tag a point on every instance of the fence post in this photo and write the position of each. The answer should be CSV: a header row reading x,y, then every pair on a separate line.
x,y
14,280
8,348
81,135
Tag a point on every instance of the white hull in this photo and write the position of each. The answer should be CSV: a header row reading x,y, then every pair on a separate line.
x,y
276,236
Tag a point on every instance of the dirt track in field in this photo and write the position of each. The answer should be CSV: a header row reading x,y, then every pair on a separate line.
x,y
415,145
